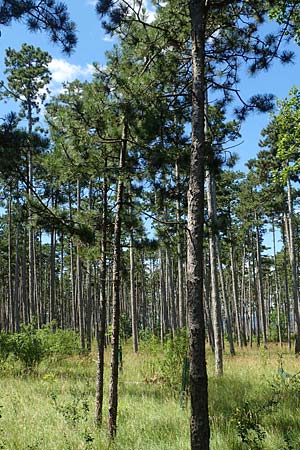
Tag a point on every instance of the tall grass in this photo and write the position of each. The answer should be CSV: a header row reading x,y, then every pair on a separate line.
x,y
52,408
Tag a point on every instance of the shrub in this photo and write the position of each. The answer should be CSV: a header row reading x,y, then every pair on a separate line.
x,y
59,342
5,346
175,350
28,347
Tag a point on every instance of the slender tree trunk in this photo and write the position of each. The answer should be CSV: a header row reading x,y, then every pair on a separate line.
x,y
257,315
113,386
134,326
286,288
235,295
215,298
170,291
63,307
10,278
88,316
260,291
52,309
199,423
294,266
225,300
79,280
181,298
277,290
101,328
25,306
17,284
163,302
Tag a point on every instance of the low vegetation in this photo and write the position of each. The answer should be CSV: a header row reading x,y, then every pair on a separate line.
x,y
49,404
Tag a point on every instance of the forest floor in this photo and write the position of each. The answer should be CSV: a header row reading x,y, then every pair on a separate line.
x,y
52,408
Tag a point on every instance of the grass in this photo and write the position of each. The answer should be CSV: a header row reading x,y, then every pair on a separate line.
x,y
52,408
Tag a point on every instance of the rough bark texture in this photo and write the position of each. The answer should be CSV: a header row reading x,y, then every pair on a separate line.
x,y
113,386
199,424
102,323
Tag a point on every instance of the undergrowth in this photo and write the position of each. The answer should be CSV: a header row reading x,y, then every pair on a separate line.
x,y
250,407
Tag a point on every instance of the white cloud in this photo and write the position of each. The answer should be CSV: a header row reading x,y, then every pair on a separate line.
x,y
63,71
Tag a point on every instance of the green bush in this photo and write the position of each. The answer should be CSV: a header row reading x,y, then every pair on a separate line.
x,y
5,346
175,350
59,342
28,347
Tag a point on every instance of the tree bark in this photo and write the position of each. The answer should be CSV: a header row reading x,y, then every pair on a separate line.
x,y
113,386
101,328
260,291
294,266
199,423
134,326
215,297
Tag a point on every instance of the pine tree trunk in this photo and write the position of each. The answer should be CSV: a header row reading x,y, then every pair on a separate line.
x,y
134,326
181,298
215,298
52,315
260,291
17,284
199,423
170,291
10,277
225,300
235,296
79,280
113,386
25,306
101,328
294,266
286,289
163,303
257,330
88,317
277,290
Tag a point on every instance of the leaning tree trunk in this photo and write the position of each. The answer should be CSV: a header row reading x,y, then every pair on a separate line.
x,y
199,423
113,386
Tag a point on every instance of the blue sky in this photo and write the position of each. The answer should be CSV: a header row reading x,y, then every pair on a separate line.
x,y
92,45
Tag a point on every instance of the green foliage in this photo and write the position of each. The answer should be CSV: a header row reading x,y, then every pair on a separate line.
x,y
247,420
59,342
28,347
31,346
42,15
175,349
273,327
5,346
125,326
